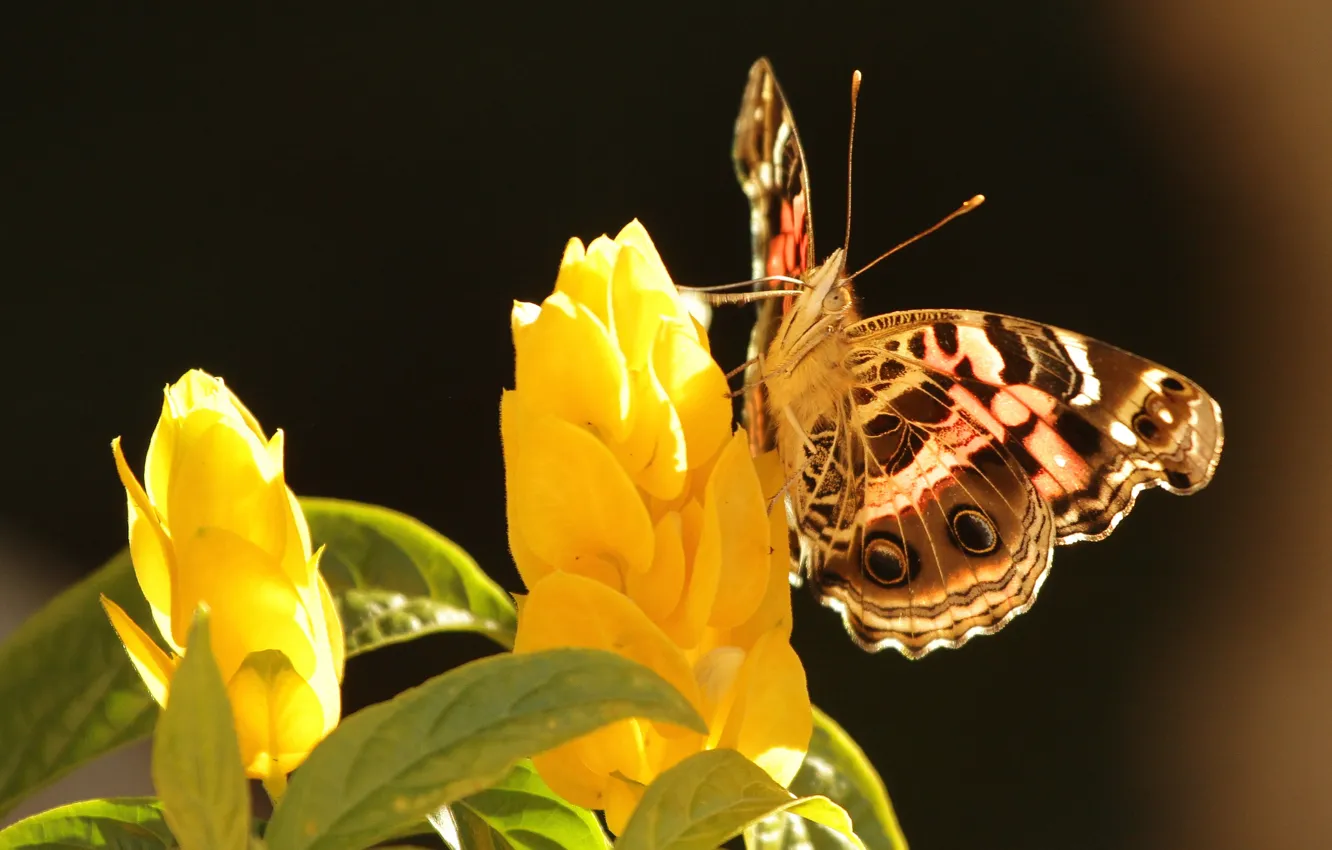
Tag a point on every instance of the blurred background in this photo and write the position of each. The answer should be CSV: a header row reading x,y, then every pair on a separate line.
x,y
334,211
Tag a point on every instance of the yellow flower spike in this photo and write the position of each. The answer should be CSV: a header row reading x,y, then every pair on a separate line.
x,y
591,389
218,526
570,499
653,542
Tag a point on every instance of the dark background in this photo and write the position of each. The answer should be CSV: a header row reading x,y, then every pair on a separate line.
x,y
335,211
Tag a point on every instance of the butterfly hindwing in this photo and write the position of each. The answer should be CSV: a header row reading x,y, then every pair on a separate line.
x,y
944,537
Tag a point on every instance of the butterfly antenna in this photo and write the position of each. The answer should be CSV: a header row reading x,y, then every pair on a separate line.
x,y
850,150
962,210
741,284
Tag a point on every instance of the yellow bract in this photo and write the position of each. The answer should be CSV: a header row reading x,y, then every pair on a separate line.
x,y
214,523
637,521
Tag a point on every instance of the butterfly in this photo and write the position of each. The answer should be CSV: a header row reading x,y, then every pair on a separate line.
x,y
935,458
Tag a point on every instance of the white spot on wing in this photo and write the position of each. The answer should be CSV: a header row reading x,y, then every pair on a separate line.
x,y
1121,432
1091,385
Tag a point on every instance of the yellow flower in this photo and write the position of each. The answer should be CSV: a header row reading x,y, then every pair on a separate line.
x,y
215,523
638,522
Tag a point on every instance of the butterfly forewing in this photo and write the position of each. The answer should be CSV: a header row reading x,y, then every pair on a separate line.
x,y
1091,424
939,535
935,458
770,165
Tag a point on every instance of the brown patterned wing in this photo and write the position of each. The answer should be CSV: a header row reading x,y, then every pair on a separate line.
x,y
969,445
915,523
1091,424
770,165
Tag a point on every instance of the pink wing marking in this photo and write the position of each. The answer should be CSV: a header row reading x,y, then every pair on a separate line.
x,y
953,444
1063,470
967,400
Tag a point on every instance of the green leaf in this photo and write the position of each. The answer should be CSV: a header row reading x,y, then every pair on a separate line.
x,y
68,693
126,823
522,813
197,768
389,765
838,769
713,796
396,579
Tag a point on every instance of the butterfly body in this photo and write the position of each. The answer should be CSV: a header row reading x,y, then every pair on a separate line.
x,y
935,457
803,368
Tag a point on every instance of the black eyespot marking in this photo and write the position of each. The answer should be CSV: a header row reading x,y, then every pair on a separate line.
x,y
973,531
1146,428
1171,384
887,561
1178,480
945,333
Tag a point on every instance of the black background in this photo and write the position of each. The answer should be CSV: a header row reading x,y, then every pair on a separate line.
x,y
335,211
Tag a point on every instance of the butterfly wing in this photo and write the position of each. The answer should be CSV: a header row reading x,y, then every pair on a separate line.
x,y
770,165
973,443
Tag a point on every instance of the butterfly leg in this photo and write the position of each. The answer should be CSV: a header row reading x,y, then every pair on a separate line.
x,y
781,491
742,367
746,388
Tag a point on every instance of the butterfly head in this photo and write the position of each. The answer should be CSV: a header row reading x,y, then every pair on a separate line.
x,y
818,313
